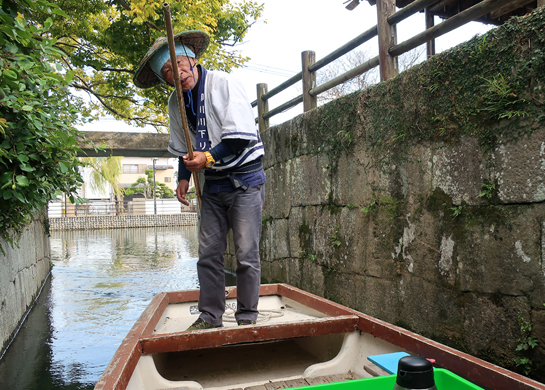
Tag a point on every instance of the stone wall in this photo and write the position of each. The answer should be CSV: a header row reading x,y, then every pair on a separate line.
x,y
123,221
415,204
22,273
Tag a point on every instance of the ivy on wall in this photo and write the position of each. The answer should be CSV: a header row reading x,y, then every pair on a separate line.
x,y
38,141
491,87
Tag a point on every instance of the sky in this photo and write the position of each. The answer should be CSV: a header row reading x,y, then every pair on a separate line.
x,y
289,27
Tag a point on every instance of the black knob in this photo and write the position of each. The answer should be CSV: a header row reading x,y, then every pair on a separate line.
x,y
415,372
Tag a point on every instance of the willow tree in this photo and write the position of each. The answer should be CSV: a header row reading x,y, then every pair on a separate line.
x,y
104,171
104,40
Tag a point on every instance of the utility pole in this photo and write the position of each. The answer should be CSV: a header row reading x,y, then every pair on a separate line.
x,y
154,197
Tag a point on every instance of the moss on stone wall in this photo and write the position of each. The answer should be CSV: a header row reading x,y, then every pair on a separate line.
x,y
503,77
430,212
437,101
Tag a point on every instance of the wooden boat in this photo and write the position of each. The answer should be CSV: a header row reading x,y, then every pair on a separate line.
x,y
300,339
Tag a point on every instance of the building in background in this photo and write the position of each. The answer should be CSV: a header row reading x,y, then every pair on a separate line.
x,y
133,175
134,168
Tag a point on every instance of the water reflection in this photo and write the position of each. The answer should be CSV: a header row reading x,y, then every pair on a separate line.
x,y
101,282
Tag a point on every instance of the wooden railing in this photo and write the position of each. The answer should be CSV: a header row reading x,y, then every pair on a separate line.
x,y
389,50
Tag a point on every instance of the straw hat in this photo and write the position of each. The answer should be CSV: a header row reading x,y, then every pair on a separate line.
x,y
197,40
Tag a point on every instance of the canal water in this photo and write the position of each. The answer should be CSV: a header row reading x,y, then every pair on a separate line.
x,y
100,283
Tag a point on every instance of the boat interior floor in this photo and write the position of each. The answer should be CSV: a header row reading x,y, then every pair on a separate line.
x,y
251,363
302,382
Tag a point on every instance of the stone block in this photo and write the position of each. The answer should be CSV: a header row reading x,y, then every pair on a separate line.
x,y
396,226
297,221
491,322
272,139
309,182
497,258
373,296
278,192
275,240
311,277
353,179
425,307
538,319
277,271
519,169
286,270
460,170
123,221
22,271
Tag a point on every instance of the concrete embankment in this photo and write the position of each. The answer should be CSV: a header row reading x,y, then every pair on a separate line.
x,y
122,221
22,273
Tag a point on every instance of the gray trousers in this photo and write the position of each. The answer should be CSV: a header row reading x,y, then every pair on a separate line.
x,y
240,211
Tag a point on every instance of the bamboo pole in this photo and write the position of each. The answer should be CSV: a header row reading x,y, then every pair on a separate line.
x,y
386,39
262,107
309,80
178,85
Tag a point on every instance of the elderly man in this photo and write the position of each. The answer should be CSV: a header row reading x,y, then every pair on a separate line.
x,y
229,150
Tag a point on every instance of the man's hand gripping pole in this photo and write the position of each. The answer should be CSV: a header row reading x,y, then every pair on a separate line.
x,y
178,85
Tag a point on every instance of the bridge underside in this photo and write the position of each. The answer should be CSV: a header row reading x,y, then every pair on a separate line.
x,y
123,144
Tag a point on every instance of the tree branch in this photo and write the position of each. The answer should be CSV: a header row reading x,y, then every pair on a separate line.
x,y
123,4
120,70
155,27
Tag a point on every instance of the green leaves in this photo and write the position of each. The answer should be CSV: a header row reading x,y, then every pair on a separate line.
x,y
37,137
526,342
104,41
63,167
22,180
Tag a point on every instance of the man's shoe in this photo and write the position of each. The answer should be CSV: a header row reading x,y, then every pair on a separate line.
x,y
246,322
202,324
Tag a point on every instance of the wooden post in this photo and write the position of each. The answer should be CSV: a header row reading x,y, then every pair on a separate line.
x,y
430,45
540,3
309,80
387,38
262,107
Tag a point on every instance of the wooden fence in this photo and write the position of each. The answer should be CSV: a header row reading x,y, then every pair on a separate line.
x,y
389,50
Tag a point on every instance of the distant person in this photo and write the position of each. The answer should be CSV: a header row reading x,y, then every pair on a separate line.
x,y
229,150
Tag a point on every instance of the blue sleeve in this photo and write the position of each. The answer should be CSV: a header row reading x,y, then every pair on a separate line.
x,y
228,147
183,172
220,151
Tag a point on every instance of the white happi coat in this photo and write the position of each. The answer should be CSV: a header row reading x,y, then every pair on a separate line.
x,y
228,114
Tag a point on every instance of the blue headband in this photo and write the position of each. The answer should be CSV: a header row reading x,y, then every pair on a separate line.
x,y
160,58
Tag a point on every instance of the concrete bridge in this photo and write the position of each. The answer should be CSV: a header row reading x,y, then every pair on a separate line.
x,y
123,144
